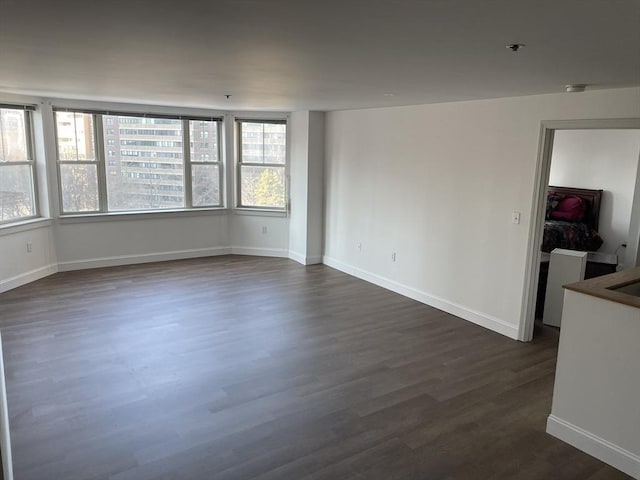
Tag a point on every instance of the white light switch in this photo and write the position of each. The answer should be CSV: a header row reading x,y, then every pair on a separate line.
x,y
515,217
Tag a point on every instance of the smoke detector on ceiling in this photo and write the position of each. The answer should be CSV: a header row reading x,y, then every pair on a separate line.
x,y
575,87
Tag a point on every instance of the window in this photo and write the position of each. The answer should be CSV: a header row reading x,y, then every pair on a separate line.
x,y
139,184
77,162
205,163
159,167
17,175
262,153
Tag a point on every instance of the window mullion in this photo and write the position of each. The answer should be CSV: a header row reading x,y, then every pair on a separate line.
x,y
58,164
100,160
29,135
221,167
186,155
32,157
238,164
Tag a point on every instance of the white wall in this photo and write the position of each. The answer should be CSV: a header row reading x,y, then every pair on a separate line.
x,y
596,396
135,239
306,191
19,266
259,235
600,159
71,244
437,184
298,192
315,187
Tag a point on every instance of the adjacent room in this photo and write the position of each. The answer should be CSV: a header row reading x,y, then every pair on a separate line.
x,y
284,239
591,199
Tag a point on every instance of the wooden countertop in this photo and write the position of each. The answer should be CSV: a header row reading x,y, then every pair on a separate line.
x,y
603,287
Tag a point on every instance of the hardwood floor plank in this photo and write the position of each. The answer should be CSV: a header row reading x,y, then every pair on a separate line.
x,y
258,368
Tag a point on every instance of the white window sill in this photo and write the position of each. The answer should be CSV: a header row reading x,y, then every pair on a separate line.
x,y
24,225
141,215
260,212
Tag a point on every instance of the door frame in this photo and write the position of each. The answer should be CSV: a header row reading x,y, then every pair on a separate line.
x,y
538,207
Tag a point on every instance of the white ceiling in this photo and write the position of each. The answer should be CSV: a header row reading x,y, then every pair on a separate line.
x,y
314,54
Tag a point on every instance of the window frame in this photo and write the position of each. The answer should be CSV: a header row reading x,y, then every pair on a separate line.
x,y
239,164
189,163
31,162
95,162
101,159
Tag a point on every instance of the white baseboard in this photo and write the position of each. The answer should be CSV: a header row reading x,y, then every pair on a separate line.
x,y
595,446
141,258
27,277
297,257
482,319
114,261
260,252
300,258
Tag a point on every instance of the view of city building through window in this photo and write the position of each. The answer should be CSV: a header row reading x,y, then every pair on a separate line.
x,y
78,163
205,163
127,163
142,159
17,184
262,161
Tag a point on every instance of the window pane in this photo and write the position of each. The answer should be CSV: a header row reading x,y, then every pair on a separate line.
x,y
204,141
262,187
263,142
16,193
13,138
75,136
144,163
275,141
79,188
206,185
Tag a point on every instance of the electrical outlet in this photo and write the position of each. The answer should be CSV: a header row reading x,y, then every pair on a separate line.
x,y
264,230
29,246
393,256
359,246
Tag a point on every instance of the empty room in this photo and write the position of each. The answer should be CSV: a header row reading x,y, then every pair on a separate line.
x,y
292,239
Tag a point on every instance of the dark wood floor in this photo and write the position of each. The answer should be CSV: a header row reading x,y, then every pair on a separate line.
x,y
259,368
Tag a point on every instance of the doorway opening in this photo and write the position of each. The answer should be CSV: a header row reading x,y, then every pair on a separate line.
x,y
585,156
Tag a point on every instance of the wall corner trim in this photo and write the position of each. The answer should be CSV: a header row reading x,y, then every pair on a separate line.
x,y
304,260
314,260
27,277
595,446
482,319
